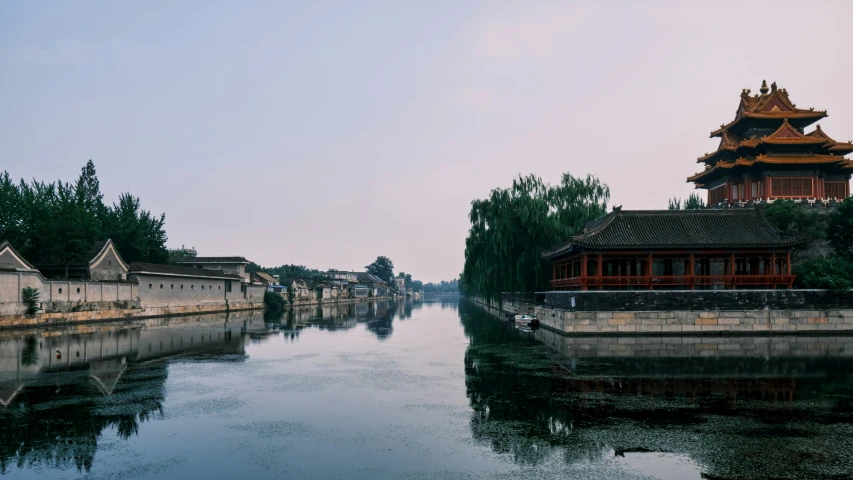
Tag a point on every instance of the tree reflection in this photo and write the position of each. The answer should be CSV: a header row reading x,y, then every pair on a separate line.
x,y
533,403
62,429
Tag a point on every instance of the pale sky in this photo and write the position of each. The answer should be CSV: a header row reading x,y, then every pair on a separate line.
x,y
328,133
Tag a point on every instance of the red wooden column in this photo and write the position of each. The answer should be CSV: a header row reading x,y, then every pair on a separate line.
x,y
773,268
600,272
692,271
788,261
583,272
732,268
648,273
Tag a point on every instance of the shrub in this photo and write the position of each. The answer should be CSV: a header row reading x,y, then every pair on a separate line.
x,y
834,273
30,297
274,301
840,228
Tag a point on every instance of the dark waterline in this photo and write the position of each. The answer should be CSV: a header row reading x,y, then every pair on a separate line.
x,y
427,390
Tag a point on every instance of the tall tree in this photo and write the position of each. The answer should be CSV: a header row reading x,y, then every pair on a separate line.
x,y
840,229
138,235
383,268
510,230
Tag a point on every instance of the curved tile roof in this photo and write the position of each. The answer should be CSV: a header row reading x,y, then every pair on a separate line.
x,y
677,229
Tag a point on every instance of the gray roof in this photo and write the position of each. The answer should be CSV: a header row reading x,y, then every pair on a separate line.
x,y
211,260
677,229
160,269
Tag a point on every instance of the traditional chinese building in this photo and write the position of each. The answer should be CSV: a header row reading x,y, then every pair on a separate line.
x,y
675,249
765,153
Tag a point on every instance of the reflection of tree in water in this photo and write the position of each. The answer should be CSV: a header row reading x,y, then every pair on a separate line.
x,y
737,417
30,353
510,384
61,428
380,319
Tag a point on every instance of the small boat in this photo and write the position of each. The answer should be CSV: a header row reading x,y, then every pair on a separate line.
x,y
523,317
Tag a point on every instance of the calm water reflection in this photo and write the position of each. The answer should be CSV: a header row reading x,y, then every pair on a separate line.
x,y
424,390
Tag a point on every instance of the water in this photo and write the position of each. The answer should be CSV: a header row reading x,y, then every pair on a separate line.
x,y
417,391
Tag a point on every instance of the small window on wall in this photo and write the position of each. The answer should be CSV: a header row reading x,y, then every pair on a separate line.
x,y
60,290
150,286
192,287
78,290
182,286
161,286
172,286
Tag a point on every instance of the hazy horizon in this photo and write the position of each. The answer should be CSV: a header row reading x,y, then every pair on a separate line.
x,y
329,133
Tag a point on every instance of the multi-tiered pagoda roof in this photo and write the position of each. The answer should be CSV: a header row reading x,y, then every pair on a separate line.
x,y
767,137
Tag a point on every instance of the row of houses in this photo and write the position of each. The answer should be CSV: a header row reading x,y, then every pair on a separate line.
x,y
107,282
334,285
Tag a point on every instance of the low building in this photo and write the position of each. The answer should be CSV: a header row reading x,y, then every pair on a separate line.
x,y
174,285
375,285
228,265
263,278
343,280
675,249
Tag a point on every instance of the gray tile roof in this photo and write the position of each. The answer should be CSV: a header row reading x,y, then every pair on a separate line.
x,y
140,267
211,260
677,229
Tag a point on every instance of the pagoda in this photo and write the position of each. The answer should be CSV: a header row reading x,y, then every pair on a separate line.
x,y
765,154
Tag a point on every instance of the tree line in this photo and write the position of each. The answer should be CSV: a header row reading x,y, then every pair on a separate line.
x,y
58,223
826,261
513,227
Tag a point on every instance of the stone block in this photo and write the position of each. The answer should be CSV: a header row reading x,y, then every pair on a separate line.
x,y
653,321
728,321
603,315
818,320
624,315
691,328
671,328
586,328
781,320
706,321
648,328
711,328
616,321
709,314
627,328
607,329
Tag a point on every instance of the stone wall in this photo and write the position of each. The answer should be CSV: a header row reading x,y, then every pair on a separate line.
x,y
693,300
65,318
64,295
165,291
676,322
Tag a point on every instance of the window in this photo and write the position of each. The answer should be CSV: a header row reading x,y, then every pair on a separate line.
x,y
150,286
161,286
60,290
173,286
109,262
182,286
78,290
202,287
227,286
835,189
791,187
756,189
192,287
736,189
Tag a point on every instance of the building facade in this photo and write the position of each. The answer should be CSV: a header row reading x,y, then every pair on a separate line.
x,y
766,154
675,249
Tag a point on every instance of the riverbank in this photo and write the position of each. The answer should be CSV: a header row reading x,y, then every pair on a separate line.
x,y
94,316
688,321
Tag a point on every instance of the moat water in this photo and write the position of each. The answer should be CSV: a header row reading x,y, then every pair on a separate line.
x,y
429,390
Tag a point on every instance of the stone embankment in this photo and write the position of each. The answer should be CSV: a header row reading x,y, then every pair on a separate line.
x,y
687,312
66,318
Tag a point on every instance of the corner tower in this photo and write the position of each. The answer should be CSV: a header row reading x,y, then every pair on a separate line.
x,y
765,153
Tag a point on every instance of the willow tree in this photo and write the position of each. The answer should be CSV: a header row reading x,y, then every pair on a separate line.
x,y
512,227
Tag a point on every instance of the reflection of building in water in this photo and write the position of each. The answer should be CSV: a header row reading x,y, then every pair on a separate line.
x,y
85,372
721,401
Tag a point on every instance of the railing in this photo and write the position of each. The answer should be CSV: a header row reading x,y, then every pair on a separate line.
x,y
673,281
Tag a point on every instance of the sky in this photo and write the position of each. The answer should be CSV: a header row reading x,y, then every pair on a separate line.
x,y
328,133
